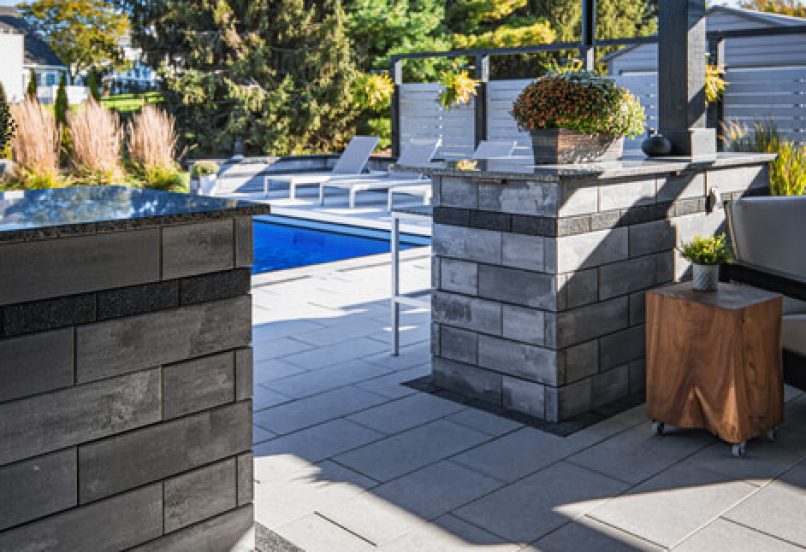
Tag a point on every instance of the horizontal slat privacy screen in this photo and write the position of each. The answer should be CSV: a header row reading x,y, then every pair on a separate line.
x,y
777,94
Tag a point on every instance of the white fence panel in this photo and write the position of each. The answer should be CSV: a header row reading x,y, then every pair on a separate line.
x,y
774,94
422,116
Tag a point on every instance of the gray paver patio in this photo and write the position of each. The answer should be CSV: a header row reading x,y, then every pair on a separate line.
x,y
348,458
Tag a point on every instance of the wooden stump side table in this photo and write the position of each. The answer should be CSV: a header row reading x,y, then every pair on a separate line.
x,y
714,361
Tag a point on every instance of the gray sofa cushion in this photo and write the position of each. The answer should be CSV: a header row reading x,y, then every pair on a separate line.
x,y
770,232
793,334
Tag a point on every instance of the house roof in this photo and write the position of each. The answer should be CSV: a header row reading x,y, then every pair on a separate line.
x,y
752,16
37,52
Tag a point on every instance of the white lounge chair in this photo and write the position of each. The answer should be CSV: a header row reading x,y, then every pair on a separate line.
x,y
487,149
350,164
418,152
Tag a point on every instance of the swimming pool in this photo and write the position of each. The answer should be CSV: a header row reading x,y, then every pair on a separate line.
x,y
285,242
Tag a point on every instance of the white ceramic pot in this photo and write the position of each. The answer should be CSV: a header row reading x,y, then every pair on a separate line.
x,y
706,277
207,184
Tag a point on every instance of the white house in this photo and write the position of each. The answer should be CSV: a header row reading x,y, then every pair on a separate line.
x,y
26,52
12,44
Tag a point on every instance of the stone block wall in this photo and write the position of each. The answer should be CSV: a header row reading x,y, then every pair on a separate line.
x,y
539,285
125,390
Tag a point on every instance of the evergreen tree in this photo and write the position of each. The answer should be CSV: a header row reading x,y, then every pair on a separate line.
x,y
31,91
276,73
61,105
92,84
6,125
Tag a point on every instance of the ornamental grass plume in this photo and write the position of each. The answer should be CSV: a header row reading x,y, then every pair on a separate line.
x,y
152,145
35,146
96,137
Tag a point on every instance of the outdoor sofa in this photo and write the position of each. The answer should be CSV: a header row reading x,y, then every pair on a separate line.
x,y
768,236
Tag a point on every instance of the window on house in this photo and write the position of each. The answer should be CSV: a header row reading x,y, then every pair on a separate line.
x,y
50,79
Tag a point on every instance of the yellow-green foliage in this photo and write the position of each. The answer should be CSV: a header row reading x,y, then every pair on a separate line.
x,y
373,91
204,168
793,8
787,171
707,251
507,36
714,84
458,88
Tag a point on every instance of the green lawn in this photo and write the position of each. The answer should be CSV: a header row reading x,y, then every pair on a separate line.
x,y
125,103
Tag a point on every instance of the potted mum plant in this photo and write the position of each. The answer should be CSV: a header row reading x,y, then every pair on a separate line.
x,y
206,172
706,254
577,117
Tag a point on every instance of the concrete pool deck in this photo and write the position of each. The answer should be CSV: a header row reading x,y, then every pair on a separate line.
x,y
349,459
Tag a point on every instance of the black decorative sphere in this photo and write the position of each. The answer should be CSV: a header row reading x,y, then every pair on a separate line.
x,y
656,145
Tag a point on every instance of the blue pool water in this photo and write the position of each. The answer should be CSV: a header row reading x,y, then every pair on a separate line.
x,y
283,242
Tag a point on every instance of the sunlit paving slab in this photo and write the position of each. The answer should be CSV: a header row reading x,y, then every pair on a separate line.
x,y
357,459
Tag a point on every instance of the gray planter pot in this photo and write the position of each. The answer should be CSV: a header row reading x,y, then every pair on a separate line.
x,y
560,146
706,277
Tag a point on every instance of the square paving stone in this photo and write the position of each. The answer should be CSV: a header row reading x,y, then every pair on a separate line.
x,y
449,534
312,533
310,411
391,385
320,442
536,505
673,504
273,369
778,509
638,454
589,534
411,450
485,422
405,413
320,357
724,535
517,454
325,379
287,496
436,489
373,518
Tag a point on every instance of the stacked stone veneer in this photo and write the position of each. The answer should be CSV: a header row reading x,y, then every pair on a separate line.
x,y
125,390
539,285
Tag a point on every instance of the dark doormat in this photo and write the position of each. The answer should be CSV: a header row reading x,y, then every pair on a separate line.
x,y
562,429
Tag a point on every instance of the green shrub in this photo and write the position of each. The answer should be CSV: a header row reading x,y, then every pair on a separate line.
x,y
204,168
787,171
165,178
581,101
6,126
707,251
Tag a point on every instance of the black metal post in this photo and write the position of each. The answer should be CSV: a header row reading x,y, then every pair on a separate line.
x,y
396,71
482,74
716,110
587,49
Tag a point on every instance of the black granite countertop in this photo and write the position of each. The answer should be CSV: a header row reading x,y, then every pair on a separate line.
x,y
520,169
45,214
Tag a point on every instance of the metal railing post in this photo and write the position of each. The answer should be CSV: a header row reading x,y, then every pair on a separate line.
x,y
716,111
482,73
587,49
396,72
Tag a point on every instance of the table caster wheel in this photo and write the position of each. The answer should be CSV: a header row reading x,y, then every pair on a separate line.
x,y
772,435
739,450
658,427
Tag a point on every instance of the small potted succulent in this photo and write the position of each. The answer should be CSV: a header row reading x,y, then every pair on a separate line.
x,y
206,172
706,254
577,117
